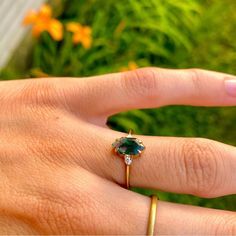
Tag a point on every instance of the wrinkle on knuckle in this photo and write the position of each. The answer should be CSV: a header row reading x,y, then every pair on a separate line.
x,y
54,147
143,82
58,208
195,75
40,92
76,217
53,209
50,137
199,157
59,145
54,216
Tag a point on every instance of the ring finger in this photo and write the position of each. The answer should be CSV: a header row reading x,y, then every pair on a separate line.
x,y
195,166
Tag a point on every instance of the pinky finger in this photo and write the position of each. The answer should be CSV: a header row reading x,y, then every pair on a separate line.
x,y
113,210
185,220
82,203
122,212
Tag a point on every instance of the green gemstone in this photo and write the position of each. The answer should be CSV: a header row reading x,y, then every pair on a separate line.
x,y
128,146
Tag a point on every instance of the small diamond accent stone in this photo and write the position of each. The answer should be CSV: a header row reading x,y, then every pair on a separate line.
x,y
128,160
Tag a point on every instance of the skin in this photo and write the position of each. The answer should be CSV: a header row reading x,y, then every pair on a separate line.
x,y
59,176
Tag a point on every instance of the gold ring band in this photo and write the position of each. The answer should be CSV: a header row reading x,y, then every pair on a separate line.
x,y
127,176
152,215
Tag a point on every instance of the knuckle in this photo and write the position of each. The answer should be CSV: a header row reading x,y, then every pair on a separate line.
x,y
195,75
40,91
55,145
200,161
54,215
54,208
142,82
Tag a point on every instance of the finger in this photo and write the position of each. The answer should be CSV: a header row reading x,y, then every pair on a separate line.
x,y
128,214
78,202
154,87
116,211
178,219
197,166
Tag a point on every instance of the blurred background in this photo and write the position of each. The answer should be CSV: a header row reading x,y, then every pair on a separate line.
x,y
90,37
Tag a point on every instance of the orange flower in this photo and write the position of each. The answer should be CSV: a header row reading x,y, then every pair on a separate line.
x,y
81,34
131,66
43,21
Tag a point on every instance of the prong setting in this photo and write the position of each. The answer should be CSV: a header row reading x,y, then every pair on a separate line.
x,y
128,147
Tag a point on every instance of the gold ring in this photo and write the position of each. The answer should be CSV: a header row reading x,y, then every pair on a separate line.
x,y
152,215
128,148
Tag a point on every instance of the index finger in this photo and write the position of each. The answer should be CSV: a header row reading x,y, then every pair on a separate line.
x,y
155,87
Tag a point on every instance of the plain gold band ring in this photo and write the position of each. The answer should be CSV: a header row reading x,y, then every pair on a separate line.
x,y
152,215
127,176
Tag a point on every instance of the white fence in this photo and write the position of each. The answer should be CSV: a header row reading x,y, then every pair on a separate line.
x,y
11,31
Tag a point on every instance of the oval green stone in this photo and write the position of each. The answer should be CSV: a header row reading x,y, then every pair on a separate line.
x,y
128,146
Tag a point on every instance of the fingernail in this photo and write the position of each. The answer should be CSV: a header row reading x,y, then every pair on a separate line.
x,y
230,87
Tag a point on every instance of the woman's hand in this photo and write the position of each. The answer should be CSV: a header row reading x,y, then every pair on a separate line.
x,y
59,176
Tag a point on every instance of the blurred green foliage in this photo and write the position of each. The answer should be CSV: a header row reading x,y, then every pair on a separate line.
x,y
163,33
